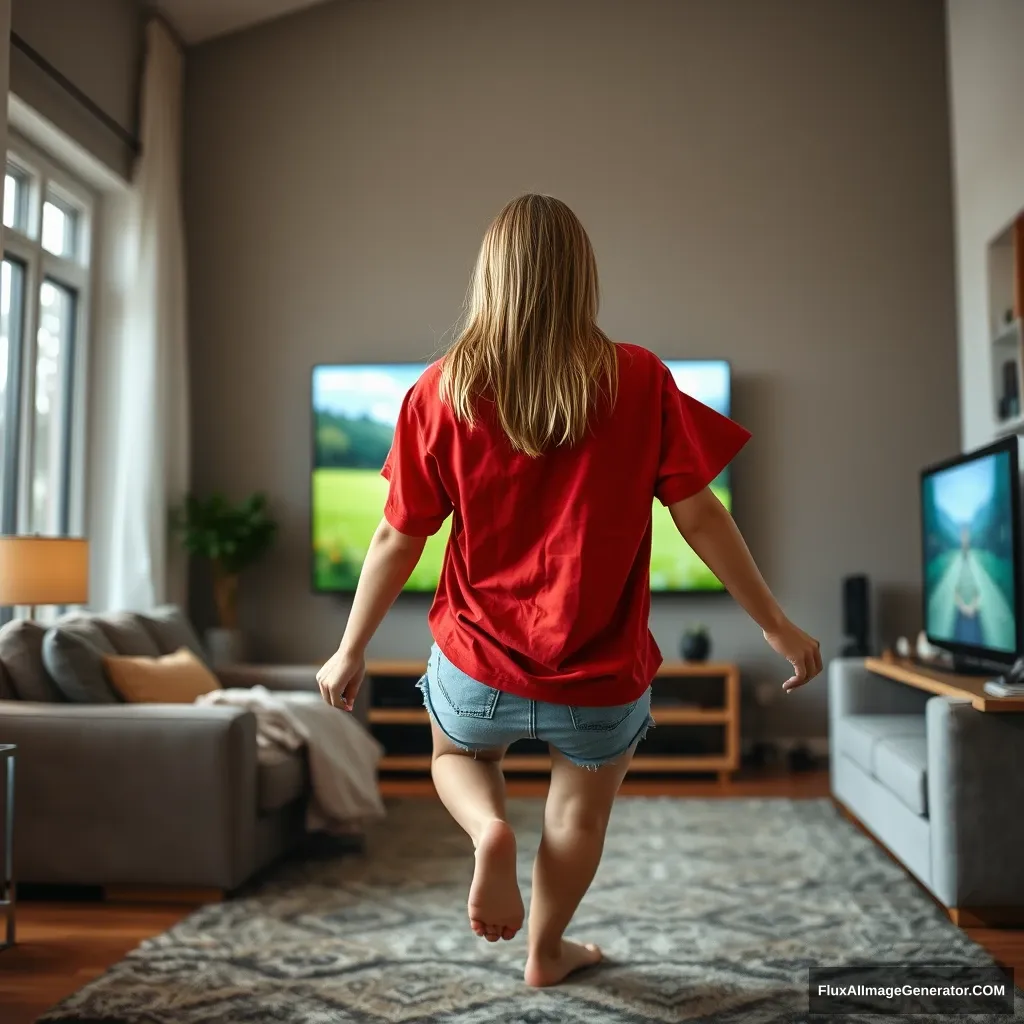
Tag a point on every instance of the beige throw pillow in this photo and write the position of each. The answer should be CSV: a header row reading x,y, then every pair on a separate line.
x,y
170,679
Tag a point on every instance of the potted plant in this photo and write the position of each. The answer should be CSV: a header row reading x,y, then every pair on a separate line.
x,y
696,644
231,537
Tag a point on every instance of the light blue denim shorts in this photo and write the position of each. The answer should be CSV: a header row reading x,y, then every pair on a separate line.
x,y
475,716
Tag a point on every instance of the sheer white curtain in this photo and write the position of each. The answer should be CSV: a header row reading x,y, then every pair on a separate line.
x,y
141,405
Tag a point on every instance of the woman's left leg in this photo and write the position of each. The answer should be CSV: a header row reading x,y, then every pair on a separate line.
x,y
472,786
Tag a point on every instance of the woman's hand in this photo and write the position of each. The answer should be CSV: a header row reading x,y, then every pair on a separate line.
x,y
341,678
803,652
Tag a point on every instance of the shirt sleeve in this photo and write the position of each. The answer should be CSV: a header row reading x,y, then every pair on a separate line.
x,y
417,502
697,443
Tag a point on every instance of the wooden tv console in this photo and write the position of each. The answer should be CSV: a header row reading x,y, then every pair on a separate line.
x,y
946,684
670,709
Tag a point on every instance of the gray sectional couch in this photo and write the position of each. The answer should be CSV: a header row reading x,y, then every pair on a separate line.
x,y
939,783
138,795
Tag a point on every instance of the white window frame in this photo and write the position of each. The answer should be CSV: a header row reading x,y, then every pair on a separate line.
x,y
47,177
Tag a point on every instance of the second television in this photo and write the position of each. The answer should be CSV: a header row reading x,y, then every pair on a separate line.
x,y
355,408
971,532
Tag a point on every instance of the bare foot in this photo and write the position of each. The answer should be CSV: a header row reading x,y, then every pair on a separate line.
x,y
495,903
542,971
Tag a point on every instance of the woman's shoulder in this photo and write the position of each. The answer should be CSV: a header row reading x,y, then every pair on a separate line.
x,y
424,397
637,355
639,365
425,390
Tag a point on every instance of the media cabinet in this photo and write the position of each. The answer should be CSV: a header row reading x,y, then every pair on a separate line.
x,y
696,707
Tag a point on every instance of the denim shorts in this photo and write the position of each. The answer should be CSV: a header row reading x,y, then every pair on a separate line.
x,y
475,716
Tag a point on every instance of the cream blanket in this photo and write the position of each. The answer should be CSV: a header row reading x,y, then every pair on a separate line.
x,y
343,756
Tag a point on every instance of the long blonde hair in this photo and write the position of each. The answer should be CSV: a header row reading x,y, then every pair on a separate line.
x,y
530,341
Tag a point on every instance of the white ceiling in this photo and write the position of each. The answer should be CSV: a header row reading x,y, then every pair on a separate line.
x,y
199,20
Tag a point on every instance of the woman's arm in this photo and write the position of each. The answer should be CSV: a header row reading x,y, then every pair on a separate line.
x,y
389,563
709,529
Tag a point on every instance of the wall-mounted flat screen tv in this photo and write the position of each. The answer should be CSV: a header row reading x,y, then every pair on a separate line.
x,y
355,407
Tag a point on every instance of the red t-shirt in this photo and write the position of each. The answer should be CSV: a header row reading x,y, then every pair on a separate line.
x,y
545,583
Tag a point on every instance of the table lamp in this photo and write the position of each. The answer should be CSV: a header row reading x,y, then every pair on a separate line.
x,y
43,571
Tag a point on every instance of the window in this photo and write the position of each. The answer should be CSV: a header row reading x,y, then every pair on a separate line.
x,y
44,306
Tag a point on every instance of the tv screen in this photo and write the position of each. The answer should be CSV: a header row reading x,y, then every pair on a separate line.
x,y
971,533
355,408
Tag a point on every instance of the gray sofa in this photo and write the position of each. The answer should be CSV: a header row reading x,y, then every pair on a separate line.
x,y
939,784
139,795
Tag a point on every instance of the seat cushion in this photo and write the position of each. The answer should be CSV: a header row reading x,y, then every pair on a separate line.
x,y
21,651
282,781
128,636
901,765
73,655
171,630
856,735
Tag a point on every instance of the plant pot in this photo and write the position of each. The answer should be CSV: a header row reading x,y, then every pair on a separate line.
x,y
225,647
695,646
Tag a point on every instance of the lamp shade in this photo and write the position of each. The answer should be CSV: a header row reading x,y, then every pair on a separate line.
x,y
43,570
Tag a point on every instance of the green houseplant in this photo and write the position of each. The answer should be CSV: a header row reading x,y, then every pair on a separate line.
x,y
231,537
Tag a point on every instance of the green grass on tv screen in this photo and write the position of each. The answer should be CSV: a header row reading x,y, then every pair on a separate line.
x,y
355,410
348,504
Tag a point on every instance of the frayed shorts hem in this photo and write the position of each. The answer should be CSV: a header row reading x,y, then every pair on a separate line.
x,y
593,766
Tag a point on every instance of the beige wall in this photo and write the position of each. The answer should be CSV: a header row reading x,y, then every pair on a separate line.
x,y
763,182
97,45
986,98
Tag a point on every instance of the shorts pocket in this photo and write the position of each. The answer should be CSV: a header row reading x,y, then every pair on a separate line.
x,y
464,695
601,719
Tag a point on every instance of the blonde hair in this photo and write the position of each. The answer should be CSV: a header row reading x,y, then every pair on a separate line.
x,y
530,340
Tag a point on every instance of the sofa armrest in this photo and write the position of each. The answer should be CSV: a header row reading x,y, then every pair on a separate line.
x,y
285,677
854,690
975,793
157,794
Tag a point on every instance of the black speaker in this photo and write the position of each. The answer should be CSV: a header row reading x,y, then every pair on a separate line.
x,y
856,617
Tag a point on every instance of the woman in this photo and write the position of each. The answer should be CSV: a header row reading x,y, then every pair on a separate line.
x,y
547,442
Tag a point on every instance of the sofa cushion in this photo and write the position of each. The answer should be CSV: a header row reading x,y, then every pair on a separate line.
x,y
282,781
127,635
177,678
171,631
857,734
73,655
901,765
21,651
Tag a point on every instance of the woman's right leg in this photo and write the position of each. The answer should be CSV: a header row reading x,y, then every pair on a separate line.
x,y
576,817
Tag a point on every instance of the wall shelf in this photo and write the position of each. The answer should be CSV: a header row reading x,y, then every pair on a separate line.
x,y
1014,425
1005,263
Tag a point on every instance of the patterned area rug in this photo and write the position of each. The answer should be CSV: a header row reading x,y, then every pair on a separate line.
x,y
707,910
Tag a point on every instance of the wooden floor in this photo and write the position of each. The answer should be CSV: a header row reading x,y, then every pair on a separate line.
x,y
63,946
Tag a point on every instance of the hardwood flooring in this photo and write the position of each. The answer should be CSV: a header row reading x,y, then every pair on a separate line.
x,y
63,946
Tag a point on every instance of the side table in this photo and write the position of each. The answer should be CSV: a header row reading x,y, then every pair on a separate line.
x,y
7,752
